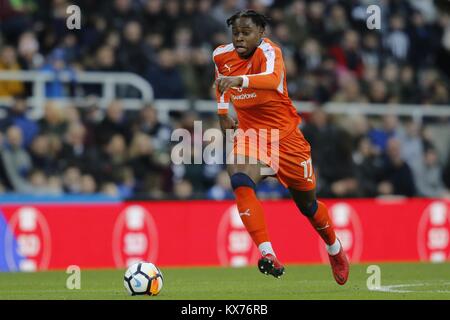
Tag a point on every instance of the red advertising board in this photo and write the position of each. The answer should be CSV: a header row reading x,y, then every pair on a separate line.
x,y
53,236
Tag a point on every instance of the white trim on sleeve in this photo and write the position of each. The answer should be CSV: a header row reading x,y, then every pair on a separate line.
x,y
223,105
244,81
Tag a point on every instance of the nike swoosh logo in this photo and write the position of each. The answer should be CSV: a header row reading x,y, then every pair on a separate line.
x,y
138,283
246,213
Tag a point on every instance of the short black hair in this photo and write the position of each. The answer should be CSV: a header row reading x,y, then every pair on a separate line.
x,y
257,18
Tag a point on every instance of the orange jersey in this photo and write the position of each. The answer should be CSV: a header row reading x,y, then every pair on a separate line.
x,y
263,101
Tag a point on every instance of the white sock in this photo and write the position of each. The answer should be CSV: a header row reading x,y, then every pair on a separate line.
x,y
334,248
265,248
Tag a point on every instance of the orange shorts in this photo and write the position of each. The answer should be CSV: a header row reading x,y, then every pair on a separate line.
x,y
289,159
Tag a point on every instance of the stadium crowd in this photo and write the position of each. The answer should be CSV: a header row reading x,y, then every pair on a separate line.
x,y
330,55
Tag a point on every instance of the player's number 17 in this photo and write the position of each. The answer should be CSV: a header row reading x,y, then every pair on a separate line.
x,y
307,168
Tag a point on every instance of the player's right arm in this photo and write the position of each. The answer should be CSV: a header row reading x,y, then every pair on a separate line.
x,y
223,101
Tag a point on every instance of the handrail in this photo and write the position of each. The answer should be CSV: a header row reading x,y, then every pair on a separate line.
x,y
107,79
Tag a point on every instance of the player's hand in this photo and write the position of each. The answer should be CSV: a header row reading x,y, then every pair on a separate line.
x,y
225,83
227,122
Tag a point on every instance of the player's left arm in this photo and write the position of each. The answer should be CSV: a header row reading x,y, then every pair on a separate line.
x,y
269,79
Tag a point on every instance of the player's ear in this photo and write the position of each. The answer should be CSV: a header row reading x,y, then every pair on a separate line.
x,y
261,32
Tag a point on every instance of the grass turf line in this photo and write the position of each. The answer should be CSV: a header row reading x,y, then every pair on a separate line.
x,y
409,280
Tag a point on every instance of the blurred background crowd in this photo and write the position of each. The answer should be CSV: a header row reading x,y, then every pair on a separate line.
x,y
330,56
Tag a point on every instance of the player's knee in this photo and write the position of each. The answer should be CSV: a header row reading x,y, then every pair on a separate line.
x,y
240,179
308,208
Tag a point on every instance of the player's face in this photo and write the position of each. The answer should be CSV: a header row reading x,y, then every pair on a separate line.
x,y
246,36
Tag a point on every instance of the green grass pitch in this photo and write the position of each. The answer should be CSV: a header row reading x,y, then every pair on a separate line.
x,y
398,281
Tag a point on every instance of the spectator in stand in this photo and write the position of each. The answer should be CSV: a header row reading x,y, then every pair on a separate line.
x,y
350,90
348,54
226,8
16,161
71,180
336,24
371,51
105,61
221,190
427,80
390,74
72,114
270,188
115,122
408,91
5,184
91,116
70,48
390,128
55,185
310,56
109,189
144,163
112,160
282,37
165,76
368,166
55,66
421,39
183,55
15,17
316,20
53,122
428,177
439,93
42,155
446,172
8,62
173,18
133,55
330,142
297,22
183,190
40,184
359,127
153,17
88,184
148,123
18,117
293,81
126,183
396,177
200,60
397,41
204,25
28,51
378,92
94,30
119,13
75,152
412,145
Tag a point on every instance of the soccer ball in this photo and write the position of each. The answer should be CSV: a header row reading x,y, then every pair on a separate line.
x,y
143,278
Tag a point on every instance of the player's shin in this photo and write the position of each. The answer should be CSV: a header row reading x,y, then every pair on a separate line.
x,y
251,212
319,218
